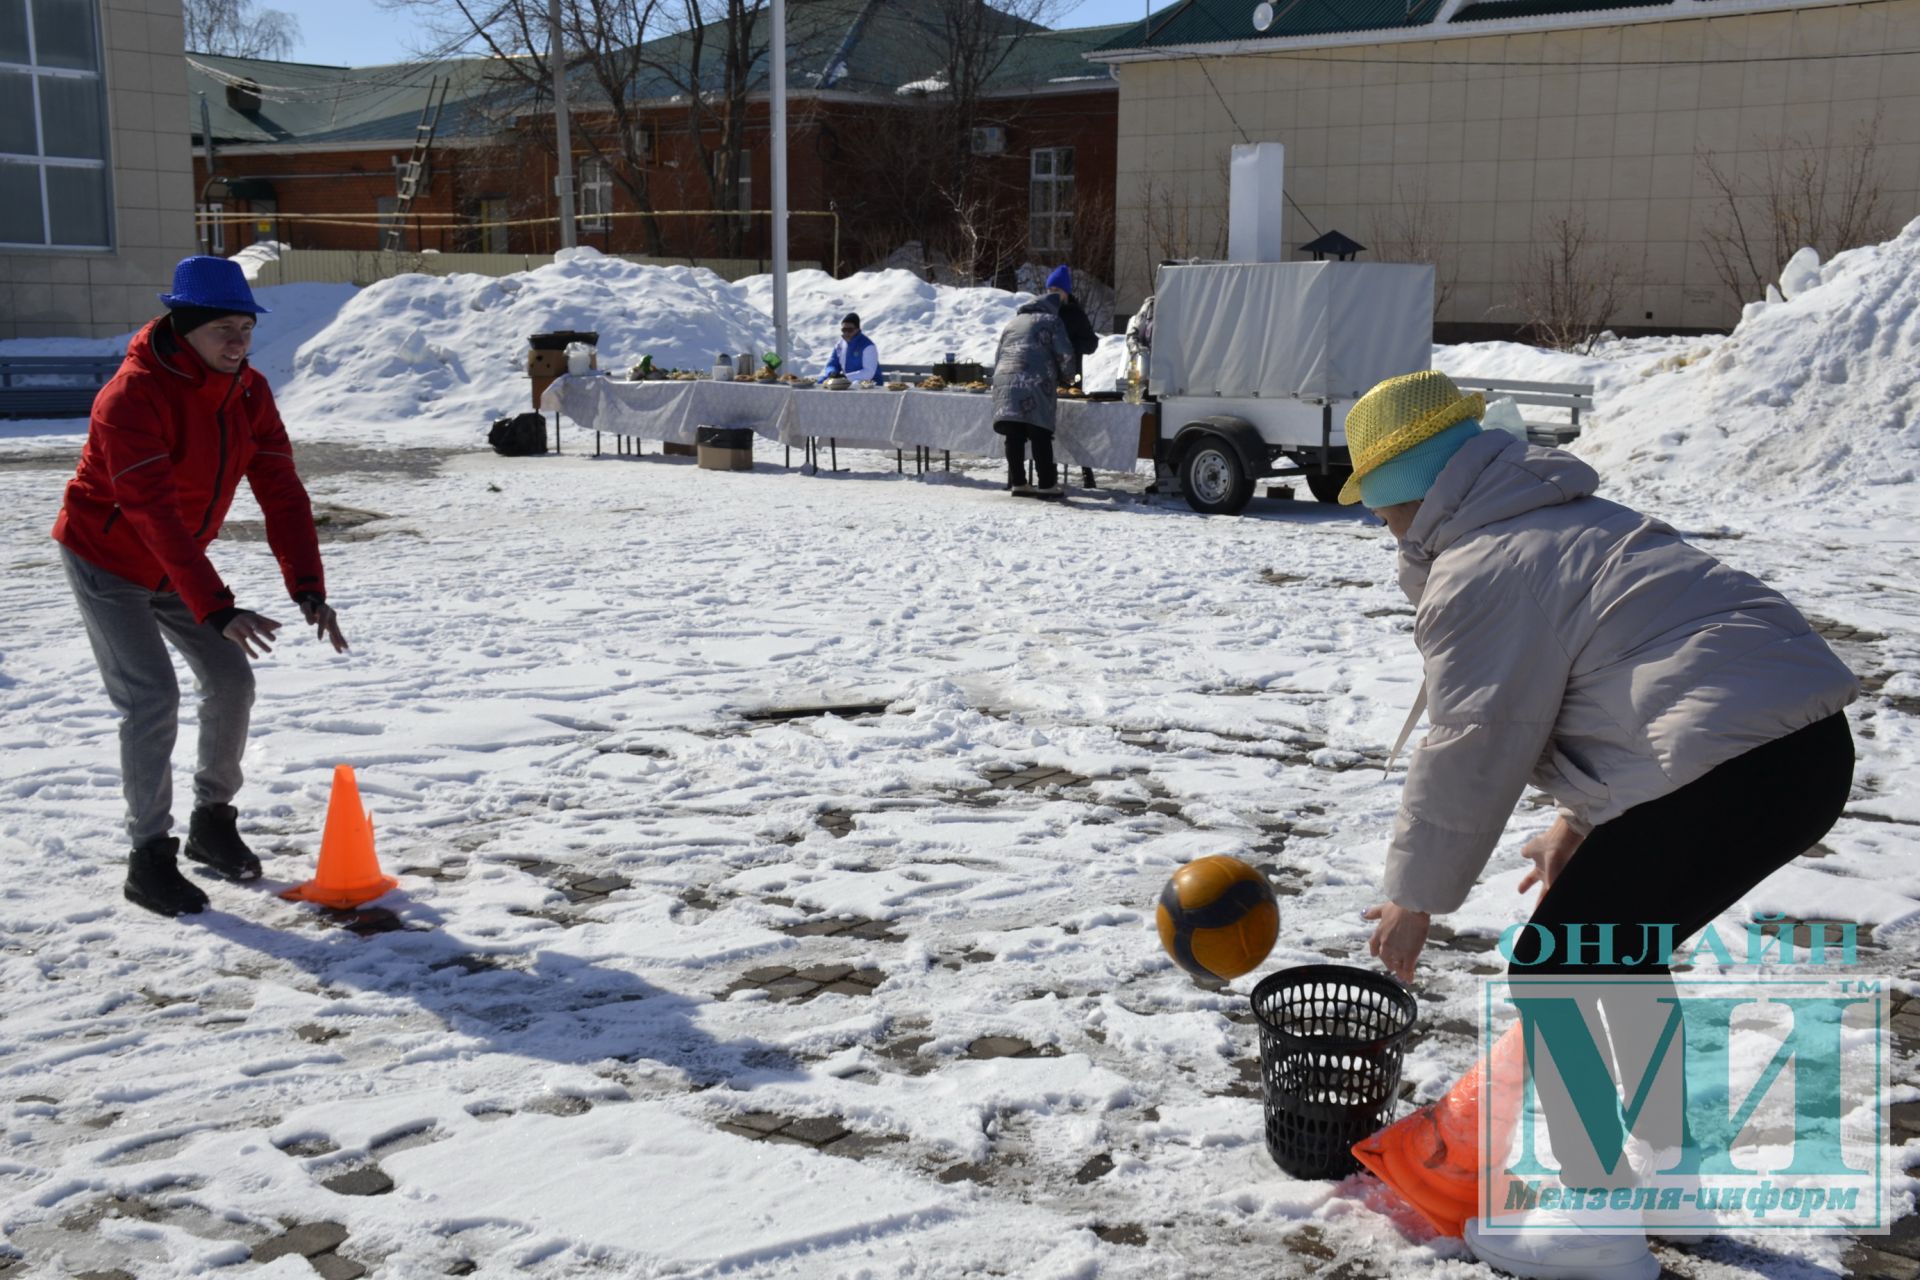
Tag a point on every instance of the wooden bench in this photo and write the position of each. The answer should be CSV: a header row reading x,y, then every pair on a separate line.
x,y
52,386
1574,396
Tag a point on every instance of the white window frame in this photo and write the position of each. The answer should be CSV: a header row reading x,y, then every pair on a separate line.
x,y
596,194
1050,222
40,162
213,229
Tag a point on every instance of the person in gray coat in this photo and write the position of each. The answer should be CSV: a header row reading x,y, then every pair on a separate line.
x,y
1028,371
1684,716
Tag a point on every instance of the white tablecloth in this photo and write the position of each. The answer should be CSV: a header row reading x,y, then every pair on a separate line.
x,y
1101,434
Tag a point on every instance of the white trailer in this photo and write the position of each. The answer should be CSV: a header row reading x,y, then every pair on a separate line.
x,y
1255,365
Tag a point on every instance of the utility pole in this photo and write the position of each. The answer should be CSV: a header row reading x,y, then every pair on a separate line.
x,y
779,60
562,126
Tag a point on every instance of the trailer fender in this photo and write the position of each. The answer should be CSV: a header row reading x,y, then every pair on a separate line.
x,y
1237,432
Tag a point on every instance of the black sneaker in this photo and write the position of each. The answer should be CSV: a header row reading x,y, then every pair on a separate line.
x,y
214,842
154,880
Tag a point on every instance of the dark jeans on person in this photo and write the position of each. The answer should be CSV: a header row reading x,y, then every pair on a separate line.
x,y
1680,860
1019,435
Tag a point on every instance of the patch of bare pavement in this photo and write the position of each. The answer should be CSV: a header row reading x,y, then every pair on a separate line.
x,y
317,458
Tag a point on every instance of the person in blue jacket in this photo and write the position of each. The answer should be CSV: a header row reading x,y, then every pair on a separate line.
x,y
854,357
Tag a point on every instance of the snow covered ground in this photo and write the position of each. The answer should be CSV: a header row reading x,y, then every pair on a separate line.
x,y
568,1059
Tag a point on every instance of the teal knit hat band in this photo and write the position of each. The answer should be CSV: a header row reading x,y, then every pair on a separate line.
x,y
1406,477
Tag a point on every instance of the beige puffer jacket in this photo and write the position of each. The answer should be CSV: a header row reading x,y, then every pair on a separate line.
x,y
1576,644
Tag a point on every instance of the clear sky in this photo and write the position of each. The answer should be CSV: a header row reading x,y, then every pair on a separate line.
x,y
359,33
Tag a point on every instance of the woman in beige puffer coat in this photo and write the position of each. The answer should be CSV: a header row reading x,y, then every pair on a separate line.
x,y
1683,715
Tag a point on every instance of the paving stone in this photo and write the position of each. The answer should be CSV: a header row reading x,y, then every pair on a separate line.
x,y
534,866
332,1266
1093,1170
1863,1261
791,988
976,956
100,1275
845,989
553,915
1905,1119
464,1267
559,1104
38,1097
824,972
306,1239
365,922
761,1121
315,1034
818,928
858,1146
964,1173
306,1148
870,977
1125,1233
998,1047
766,974
367,1181
818,1130
602,884
872,931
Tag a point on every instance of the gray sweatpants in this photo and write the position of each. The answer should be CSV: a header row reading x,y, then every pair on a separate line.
x,y
124,624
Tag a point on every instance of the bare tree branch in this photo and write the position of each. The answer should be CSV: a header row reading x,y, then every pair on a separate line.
x,y
1571,284
1832,198
238,29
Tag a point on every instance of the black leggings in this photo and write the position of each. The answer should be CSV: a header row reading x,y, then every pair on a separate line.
x,y
1680,860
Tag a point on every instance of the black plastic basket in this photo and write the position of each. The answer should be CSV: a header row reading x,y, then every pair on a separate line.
x,y
1331,1039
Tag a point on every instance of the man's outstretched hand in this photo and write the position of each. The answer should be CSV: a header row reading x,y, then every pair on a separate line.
x,y
324,621
252,632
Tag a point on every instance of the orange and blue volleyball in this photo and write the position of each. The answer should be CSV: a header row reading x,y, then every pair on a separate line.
x,y
1218,918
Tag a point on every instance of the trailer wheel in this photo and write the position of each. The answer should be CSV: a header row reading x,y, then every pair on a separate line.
x,y
1214,478
1326,488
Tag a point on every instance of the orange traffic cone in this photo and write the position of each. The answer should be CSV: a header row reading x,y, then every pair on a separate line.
x,y
349,873
1433,1157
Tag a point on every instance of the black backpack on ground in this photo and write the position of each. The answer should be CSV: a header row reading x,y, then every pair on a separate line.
x,y
519,436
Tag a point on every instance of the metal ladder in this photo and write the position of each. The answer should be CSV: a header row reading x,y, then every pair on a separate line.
x,y
416,169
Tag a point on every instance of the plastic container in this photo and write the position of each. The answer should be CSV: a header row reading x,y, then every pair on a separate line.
x,y
1331,1043
723,368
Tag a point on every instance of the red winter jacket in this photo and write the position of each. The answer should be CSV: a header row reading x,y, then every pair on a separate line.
x,y
167,445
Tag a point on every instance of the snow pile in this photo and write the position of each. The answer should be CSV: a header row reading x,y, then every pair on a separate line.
x,y
452,349
1816,393
257,255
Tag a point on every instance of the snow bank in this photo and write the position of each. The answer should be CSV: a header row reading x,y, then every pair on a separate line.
x,y
453,349
1812,395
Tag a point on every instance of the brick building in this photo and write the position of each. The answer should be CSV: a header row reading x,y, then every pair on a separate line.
x,y
311,156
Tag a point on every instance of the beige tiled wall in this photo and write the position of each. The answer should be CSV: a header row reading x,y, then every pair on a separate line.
x,y
1499,143
60,293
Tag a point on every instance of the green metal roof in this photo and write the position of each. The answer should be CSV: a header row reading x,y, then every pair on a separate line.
x,y
307,103
855,46
1488,10
1218,21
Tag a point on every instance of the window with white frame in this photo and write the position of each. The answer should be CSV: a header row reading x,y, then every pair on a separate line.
x,y
53,126
213,228
596,195
1050,203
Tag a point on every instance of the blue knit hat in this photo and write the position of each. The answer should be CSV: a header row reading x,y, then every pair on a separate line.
x,y
1407,476
215,284
1061,279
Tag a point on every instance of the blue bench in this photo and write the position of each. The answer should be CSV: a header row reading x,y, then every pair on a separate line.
x,y
52,386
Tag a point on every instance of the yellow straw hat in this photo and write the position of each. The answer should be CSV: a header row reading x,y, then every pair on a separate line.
x,y
1399,414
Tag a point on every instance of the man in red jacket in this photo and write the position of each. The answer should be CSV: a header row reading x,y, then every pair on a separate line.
x,y
170,438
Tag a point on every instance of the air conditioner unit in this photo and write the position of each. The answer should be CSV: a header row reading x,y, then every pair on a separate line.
x,y
989,140
642,142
